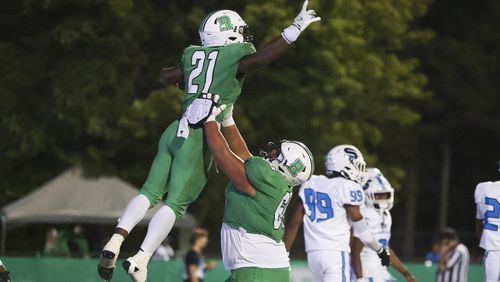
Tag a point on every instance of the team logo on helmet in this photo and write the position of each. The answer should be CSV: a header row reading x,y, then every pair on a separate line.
x,y
224,23
351,154
296,167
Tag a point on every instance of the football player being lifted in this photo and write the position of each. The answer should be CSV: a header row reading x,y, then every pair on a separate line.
x,y
329,206
256,200
183,159
379,199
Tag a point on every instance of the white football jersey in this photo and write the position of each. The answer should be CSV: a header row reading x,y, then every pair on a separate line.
x,y
326,226
487,198
380,226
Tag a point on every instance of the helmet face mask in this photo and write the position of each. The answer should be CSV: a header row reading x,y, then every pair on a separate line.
x,y
379,192
292,159
222,28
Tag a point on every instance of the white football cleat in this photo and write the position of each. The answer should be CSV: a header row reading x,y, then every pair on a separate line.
x,y
108,257
137,268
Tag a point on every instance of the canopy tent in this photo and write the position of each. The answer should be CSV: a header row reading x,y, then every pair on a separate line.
x,y
72,198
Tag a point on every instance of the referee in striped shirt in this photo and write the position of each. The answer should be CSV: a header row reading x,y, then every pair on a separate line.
x,y
454,262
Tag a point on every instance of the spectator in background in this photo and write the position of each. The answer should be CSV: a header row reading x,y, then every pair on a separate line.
x,y
4,274
432,257
454,258
77,243
56,245
195,263
164,252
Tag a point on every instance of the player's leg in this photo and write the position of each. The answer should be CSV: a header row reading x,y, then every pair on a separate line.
x,y
151,193
315,262
336,266
187,180
491,262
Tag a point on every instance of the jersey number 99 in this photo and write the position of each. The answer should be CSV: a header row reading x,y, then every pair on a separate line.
x,y
321,202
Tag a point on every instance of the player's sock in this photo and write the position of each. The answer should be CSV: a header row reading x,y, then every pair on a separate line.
x,y
135,211
114,243
158,229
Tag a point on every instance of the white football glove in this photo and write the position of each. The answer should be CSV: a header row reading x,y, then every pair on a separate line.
x,y
300,23
228,119
217,109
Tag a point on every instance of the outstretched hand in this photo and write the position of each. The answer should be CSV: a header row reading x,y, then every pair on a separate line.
x,y
305,17
300,23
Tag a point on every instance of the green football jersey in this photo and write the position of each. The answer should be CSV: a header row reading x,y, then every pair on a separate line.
x,y
214,70
264,213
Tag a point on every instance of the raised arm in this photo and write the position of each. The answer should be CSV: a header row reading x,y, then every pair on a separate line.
x,y
233,137
171,75
293,221
272,50
232,165
236,142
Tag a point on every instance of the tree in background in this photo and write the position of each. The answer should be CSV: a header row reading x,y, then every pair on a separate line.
x,y
79,85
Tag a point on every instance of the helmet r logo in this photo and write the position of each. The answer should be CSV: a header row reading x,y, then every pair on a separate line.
x,y
296,167
224,23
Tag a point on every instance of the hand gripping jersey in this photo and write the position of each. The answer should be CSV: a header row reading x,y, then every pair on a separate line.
x,y
264,213
487,197
214,70
326,226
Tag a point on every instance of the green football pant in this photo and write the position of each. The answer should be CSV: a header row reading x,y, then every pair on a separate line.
x,y
179,167
255,274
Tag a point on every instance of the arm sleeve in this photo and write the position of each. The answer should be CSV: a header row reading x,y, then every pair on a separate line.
x,y
479,214
454,258
245,49
363,233
478,199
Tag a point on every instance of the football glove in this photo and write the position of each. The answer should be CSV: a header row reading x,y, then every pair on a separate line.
x,y
385,256
216,109
300,23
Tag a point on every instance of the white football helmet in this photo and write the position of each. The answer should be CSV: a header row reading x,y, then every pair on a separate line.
x,y
348,161
379,192
223,27
293,159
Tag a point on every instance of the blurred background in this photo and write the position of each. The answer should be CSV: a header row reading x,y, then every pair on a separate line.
x,y
414,84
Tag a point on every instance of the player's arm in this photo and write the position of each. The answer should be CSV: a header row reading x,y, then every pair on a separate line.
x,y
479,222
171,75
279,44
356,248
479,228
363,233
232,165
401,268
233,137
293,220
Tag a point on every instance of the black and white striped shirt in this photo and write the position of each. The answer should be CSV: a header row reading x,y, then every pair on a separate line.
x,y
457,265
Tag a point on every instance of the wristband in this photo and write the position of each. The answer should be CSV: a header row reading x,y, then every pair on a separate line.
x,y
290,34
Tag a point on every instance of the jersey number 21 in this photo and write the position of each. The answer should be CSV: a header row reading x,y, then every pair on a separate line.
x,y
198,60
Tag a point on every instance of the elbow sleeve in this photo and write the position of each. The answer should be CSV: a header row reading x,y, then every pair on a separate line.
x,y
363,233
